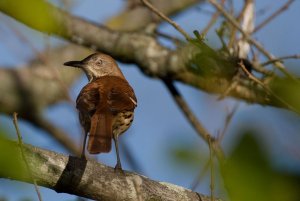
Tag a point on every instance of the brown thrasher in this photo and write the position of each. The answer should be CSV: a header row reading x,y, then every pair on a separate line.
x,y
106,104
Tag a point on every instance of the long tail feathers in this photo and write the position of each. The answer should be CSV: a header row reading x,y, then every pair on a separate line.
x,y
100,133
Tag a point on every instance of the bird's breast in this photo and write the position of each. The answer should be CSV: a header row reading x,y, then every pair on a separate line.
x,y
122,121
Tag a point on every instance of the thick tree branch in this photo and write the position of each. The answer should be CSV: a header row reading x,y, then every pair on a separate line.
x,y
136,17
32,87
143,50
96,181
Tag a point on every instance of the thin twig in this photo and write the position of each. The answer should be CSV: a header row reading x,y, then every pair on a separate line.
x,y
228,119
231,6
250,76
212,177
261,70
166,18
224,45
253,78
169,37
235,81
200,176
263,11
59,135
42,58
129,155
274,15
279,59
251,40
204,11
15,120
20,35
212,21
197,125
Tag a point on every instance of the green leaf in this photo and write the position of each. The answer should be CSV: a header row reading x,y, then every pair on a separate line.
x,y
37,14
199,36
288,91
10,163
189,156
208,62
249,176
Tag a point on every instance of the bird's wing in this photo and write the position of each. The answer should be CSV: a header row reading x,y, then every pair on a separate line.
x,y
88,99
121,97
94,118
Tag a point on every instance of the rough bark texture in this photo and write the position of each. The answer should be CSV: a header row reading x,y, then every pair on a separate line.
x,y
68,174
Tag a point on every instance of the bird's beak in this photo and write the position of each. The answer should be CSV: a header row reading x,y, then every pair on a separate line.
x,y
77,64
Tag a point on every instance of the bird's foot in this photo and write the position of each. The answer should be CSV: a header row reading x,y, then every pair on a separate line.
x,y
82,156
118,169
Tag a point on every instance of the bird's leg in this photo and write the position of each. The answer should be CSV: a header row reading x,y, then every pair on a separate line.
x,y
83,147
118,166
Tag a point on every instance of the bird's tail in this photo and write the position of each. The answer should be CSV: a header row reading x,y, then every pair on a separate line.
x,y
100,133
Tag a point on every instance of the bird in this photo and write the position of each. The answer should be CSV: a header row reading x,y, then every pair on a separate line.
x,y
105,105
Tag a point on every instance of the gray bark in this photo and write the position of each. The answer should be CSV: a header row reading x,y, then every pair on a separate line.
x,y
89,179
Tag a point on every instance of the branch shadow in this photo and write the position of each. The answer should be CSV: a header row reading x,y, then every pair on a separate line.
x,y
71,175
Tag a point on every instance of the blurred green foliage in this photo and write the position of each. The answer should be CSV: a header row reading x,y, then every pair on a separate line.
x,y
37,14
288,90
187,155
208,62
11,164
249,176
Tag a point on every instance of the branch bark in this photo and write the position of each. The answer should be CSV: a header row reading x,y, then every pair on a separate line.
x,y
68,174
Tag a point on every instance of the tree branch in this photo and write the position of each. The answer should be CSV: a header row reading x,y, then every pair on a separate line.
x,y
166,18
247,37
20,143
31,88
68,174
143,50
60,136
274,15
138,17
197,125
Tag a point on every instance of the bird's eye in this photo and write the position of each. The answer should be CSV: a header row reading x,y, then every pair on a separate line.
x,y
99,62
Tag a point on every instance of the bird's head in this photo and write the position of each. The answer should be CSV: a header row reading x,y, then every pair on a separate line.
x,y
97,65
